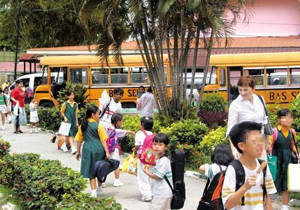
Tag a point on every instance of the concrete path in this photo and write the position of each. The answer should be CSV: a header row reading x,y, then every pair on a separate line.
x,y
127,195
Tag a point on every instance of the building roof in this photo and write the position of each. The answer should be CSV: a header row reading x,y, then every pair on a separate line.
x,y
234,42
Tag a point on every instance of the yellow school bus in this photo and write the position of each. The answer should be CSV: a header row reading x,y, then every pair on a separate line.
x,y
277,75
95,75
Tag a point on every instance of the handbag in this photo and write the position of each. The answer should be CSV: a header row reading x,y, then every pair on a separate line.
x,y
272,163
294,157
293,177
268,130
64,128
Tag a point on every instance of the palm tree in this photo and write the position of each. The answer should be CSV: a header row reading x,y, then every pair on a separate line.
x,y
160,28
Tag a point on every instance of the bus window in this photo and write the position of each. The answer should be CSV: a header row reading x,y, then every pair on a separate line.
x,y
211,76
99,76
222,77
276,76
138,75
257,74
295,76
119,75
78,75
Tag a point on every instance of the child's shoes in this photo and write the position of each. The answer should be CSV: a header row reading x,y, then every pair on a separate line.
x,y
118,183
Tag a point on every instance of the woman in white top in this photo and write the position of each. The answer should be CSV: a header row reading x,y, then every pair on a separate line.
x,y
246,107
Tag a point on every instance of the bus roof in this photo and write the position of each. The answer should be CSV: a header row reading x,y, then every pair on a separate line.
x,y
256,59
135,60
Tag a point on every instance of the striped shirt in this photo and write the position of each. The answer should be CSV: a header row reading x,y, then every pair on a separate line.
x,y
254,196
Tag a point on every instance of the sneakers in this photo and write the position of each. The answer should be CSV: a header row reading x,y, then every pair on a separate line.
x,y
3,127
146,198
64,147
94,194
103,185
118,183
285,207
74,150
99,191
31,131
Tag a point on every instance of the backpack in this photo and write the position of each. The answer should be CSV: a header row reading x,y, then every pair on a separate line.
x,y
103,167
275,135
211,198
147,156
241,176
104,110
177,165
111,141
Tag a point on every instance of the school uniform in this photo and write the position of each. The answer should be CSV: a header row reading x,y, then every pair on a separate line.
x,y
92,149
143,180
70,109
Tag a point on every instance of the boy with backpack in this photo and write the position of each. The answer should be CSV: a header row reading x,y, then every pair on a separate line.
x,y
142,179
247,181
161,172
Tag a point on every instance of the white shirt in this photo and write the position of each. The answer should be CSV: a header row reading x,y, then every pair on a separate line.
x,y
161,189
113,108
254,196
146,105
241,110
212,169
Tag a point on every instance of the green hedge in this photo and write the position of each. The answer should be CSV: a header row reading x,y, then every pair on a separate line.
x,y
46,184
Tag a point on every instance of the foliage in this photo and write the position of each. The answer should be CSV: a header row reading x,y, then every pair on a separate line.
x,y
295,108
213,102
272,111
42,184
4,147
79,92
212,139
49,118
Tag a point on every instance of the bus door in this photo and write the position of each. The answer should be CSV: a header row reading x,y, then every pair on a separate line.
x,y
58,79
233,76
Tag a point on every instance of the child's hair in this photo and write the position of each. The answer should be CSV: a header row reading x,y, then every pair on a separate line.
x,y
147,123
115,118
1,91
118,91
239,132
149,89
222,155
283,112
161,138
70,92
92,109
5,88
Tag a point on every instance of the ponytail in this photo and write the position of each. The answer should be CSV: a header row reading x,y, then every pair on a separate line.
x,y
90,110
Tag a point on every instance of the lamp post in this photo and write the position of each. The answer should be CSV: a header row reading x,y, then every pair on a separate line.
x,y
17,40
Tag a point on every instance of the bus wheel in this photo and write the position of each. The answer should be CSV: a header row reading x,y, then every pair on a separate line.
x,y
128,105
46,104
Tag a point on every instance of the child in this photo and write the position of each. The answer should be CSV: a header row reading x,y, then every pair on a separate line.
x,y
221,157
94,148
282,148
7,96
113,142
248,140
3,108
69,111
142,179
162,193
33,116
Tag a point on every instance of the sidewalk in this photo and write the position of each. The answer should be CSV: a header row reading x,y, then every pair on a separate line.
x,y
127,195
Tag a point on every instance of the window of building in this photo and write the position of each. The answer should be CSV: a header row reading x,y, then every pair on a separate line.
x,y
119,75
99,76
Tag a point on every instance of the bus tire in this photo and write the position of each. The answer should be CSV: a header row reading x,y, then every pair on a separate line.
x,y
128,105
46,104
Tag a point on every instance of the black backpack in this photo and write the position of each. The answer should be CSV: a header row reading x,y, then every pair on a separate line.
x,y
103,167
212,199
177,165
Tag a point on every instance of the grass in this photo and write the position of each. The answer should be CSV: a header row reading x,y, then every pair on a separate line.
x,y
8,197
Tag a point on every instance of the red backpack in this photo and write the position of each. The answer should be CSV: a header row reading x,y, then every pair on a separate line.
x,y
147,156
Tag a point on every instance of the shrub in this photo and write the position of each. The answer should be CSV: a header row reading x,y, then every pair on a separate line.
x,y
49,118
295,108
272,111
213,102
43,184
79,91
212,139
4,147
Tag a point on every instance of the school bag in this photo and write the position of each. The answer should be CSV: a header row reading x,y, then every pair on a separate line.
x,y
112,141
147,156
178,189
211,198
104,167
212,194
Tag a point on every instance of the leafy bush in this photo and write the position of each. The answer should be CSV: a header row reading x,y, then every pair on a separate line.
x,y
295,108
4,147
212,139
272,111
49,118
79,91
213,102
43,184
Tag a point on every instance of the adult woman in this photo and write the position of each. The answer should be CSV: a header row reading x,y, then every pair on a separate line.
x,y
93,150
18,98
246,107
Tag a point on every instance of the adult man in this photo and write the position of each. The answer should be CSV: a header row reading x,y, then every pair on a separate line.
x,y
146,104
109,107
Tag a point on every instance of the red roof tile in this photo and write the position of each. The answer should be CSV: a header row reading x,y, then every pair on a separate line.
x,y
10,67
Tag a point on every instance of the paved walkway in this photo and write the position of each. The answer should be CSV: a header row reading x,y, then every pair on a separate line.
x,y
127,195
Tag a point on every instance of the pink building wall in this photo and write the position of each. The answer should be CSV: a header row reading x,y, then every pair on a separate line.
x,y
270,18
